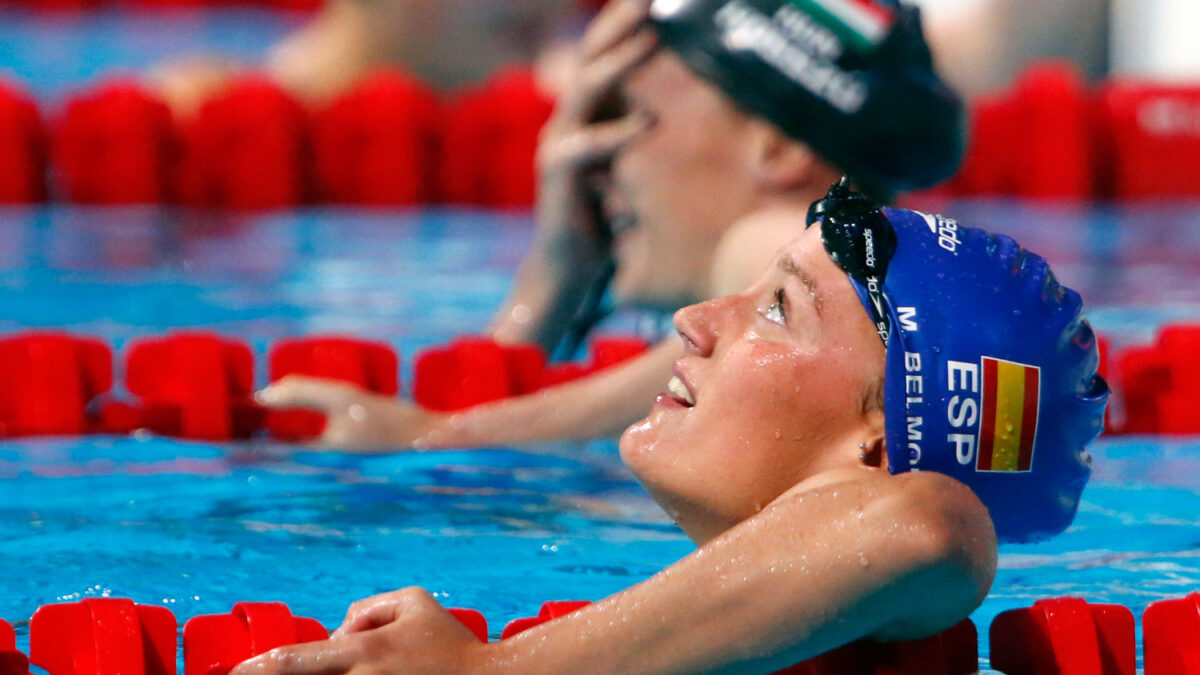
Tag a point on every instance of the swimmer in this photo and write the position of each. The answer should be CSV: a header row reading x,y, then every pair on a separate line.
x,y
710,135
446,43
845,441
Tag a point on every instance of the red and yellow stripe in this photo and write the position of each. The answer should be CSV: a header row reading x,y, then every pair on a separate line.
x,y
1010,416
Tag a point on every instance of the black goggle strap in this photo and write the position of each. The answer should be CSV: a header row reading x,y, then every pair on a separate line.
x,y
861,241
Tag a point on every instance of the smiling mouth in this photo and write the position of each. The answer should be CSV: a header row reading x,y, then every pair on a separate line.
x,y
680,392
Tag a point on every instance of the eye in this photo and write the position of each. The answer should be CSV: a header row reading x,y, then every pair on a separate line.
x,y
777,311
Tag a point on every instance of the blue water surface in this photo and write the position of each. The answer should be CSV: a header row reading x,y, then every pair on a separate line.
x,y
198,527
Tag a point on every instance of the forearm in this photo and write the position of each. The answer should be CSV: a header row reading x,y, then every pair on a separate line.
x,y
550,288
599,405
772,592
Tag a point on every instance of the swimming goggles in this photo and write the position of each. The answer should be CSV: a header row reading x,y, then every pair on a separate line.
x,y
860,240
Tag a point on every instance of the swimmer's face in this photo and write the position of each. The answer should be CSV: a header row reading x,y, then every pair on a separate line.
x,y
780,377
678,187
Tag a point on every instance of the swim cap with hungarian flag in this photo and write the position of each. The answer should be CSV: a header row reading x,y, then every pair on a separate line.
x,y
853,79
991,373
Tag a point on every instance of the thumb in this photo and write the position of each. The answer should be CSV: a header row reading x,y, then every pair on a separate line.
x,y
298,391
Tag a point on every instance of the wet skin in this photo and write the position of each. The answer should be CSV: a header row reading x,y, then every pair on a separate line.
x,y
779,375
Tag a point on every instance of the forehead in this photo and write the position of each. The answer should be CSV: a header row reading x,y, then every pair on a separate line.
x,y
665,78
808,253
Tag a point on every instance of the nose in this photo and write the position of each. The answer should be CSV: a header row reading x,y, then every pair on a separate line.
x,y
701,325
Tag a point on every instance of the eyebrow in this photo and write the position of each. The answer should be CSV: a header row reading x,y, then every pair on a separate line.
x,y
788,265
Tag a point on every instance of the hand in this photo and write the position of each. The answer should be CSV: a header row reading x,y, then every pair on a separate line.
x,y
404,631
356,420
575,140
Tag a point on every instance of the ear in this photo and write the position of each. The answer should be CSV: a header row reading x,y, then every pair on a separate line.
x,y
779,162
874,447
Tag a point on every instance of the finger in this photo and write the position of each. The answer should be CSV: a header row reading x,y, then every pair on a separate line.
x,y
599,142
297,391
312,658
617,21
601,77
369,614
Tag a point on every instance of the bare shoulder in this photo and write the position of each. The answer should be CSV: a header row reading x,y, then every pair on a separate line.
x,y
748,247
949,540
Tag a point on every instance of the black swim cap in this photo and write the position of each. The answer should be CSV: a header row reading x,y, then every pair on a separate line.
x,y
853,79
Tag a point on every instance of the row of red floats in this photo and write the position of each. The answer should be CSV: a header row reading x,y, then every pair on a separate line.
x,y
201,385
389,141
1051,136
1059,636
1156,385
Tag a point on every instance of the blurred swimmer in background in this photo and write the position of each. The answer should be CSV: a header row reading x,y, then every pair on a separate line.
x,y
445,43
833,439
750,105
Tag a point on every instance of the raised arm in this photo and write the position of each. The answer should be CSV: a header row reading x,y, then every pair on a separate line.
x,y
571,249
882,557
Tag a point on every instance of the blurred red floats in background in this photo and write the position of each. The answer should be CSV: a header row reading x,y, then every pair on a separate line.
x,y
378,143
22,148
247,148
115,145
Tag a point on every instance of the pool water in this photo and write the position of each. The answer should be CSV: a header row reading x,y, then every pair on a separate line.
x,y
197,527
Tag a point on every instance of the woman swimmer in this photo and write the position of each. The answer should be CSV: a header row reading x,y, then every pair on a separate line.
x,y
784,451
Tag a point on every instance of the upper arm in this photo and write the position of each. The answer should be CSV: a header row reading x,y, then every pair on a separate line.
x,y
949,554
888,557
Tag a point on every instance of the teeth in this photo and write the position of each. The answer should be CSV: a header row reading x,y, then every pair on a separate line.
x,y
677,388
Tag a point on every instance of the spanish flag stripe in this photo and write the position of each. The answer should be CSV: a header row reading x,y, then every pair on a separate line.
x,y
987,426
1029,417
1010,408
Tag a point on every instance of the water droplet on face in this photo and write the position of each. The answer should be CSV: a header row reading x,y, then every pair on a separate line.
x,y
862,560
778,434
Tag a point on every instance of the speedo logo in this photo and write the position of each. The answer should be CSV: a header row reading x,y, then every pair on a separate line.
x,y
945,229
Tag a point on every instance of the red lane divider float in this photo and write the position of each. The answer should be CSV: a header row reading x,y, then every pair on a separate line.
x,y
1171,636
473,619
1151,139
48,380
471,371
22,148
246,149
103,636
490,141
549,610
377,144
371,366
214,644
115,145
951,652
193,385
1157,385
12,662
1064,636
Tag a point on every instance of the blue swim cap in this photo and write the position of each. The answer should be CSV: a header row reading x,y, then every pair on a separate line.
x,y
991,373
853,79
